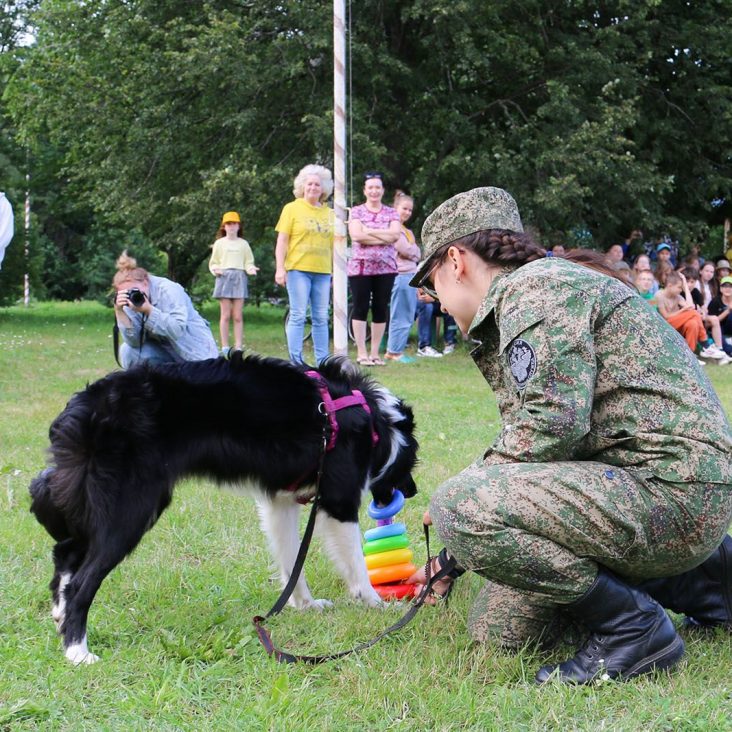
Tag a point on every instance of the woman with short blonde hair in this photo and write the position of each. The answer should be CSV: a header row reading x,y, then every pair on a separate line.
x,y
304,259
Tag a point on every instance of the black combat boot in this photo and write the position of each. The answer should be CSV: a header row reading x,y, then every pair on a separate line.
x,y
630,634
703,594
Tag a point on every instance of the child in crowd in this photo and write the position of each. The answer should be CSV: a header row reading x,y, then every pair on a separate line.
x,y
720,307
642,263
624,271
707,283
679,310
661,272
710,320
722,270
646,286
663,255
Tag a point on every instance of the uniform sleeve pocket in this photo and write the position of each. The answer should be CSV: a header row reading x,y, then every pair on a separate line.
x,y
514,322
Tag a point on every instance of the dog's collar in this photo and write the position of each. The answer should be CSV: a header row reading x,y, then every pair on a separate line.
x,y
331,406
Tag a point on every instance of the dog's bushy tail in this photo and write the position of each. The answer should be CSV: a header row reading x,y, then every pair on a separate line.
x,y
58,492
47,513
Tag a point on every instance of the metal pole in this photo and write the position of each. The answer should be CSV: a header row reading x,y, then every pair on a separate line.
x,y
340,304
26,278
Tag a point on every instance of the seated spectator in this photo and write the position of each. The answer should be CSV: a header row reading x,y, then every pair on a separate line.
x,y
722,270
693,260
426,308
642,263
558,250
707,283
661,272
614,253
623,270
663,255
711,321
157,319
720,307
681,313
645,284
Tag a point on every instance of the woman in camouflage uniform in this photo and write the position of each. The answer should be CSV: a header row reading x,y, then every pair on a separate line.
x,y
609,483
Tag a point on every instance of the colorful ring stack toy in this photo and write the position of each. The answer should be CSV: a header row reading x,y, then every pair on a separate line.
x,y
387,553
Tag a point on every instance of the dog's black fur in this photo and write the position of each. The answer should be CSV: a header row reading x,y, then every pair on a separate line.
x,y
120,446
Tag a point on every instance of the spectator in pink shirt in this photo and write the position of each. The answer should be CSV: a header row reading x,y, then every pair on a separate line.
x,y
374,229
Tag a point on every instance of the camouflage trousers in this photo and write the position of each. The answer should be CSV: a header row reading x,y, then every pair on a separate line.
x,y
538,531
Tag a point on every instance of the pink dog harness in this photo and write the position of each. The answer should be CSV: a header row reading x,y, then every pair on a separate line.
x,y
331,406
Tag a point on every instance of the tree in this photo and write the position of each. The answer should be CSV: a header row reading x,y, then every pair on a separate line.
x,y
598,117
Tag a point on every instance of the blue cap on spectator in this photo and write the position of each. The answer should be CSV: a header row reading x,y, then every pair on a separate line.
x,y
663,246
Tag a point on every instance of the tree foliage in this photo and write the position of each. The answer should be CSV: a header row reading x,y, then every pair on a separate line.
x,y
145,120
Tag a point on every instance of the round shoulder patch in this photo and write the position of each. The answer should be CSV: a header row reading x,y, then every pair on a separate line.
x,y
522,360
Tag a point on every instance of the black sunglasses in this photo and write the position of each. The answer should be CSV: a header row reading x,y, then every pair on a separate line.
x,y
426,284
372,174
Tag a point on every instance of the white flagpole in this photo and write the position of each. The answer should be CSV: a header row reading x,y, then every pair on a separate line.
x,y
26,278
340,282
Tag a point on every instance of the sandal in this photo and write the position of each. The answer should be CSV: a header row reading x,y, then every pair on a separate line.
x,y
364,362
377,362
442,570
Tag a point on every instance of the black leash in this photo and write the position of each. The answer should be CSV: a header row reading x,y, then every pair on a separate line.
x,y
446,570
115,338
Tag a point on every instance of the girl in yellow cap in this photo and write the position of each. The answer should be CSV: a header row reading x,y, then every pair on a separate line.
x,y
231,261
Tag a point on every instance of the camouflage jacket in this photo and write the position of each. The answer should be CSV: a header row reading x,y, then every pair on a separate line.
x,y
583,369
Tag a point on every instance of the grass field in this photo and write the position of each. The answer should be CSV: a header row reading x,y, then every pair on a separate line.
x,y
173,622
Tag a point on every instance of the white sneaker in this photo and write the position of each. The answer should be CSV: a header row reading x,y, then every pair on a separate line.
x,y
429,352
724,361
449,348
700,362
712,352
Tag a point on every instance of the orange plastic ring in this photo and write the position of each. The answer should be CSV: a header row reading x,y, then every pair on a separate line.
x,y
394,573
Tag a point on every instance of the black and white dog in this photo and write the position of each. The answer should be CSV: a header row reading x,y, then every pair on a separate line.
x,y
120,446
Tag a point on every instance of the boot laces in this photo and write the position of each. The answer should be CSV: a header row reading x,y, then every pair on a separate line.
x,y
592,646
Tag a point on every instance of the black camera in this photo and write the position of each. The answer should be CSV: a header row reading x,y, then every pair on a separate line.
x,y
136,296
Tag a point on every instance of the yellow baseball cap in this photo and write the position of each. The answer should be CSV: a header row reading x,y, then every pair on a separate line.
x,y
230,217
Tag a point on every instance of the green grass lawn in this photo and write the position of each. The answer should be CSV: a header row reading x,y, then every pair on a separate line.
x,y
173,622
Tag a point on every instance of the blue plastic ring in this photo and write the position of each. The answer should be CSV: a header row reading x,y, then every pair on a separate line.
x,y
381,532
396,505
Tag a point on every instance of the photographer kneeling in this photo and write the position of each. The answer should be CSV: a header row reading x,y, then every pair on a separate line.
x,y
157,319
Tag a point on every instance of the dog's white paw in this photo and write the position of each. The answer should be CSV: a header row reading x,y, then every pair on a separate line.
x,y
57,613
367,595
319,604
78,654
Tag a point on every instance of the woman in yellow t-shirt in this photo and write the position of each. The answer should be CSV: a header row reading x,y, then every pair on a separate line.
x,y
231,261
304,258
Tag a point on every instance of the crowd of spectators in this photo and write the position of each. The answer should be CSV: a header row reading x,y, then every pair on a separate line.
x,y
693,294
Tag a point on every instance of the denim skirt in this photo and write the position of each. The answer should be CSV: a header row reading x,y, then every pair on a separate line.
x,y
232,285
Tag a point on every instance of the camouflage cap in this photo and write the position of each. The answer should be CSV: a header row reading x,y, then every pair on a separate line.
x,y
466,213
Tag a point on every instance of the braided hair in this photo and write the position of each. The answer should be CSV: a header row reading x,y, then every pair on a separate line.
x,y
516,248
